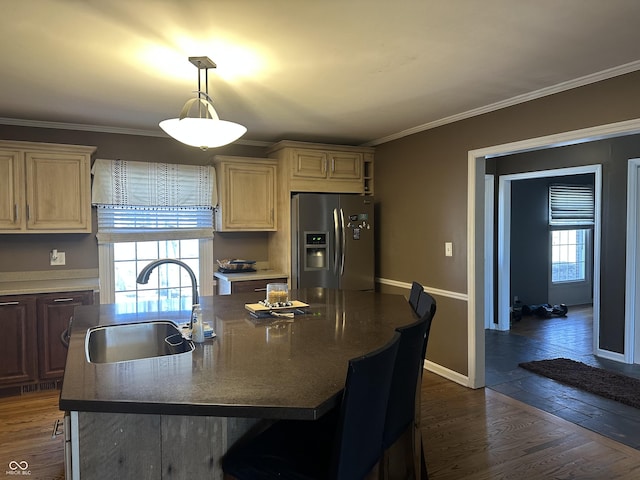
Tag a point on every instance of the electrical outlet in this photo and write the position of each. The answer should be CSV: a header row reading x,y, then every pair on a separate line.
x,y
448,249
57,258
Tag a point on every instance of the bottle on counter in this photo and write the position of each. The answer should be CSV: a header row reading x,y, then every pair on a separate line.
x,y
197,334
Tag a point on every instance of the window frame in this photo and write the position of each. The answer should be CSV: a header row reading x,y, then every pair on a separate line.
x,y
587,252
107,271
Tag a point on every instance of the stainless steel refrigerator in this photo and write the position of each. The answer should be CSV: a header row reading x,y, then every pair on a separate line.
x,y
332,241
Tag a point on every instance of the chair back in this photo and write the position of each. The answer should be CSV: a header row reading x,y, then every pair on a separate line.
x,y
414,295
362,412
425,304
406,375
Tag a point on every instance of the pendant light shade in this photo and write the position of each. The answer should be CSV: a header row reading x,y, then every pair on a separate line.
x,y
206,130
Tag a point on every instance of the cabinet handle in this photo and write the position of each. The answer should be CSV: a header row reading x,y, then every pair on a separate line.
x,y
15,212
260,289
63,300
4,304
333,165
28,212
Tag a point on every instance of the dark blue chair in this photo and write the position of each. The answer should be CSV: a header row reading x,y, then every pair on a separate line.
x,y
414,295
426,303
345,444
402,437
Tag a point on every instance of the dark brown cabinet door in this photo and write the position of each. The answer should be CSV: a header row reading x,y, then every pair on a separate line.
x,y
54,312
254,285
18,341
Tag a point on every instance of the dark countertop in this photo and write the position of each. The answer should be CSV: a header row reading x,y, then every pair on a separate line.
x,y
253,368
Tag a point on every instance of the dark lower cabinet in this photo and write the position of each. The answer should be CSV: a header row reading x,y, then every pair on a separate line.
x,y
54,313
18,340
31,325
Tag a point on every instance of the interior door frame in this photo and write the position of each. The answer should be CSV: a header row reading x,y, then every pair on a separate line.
x,y
476,169
632,302
504,239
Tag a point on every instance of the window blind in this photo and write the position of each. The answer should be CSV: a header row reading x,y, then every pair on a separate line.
x,y
138,223
140,201
571,205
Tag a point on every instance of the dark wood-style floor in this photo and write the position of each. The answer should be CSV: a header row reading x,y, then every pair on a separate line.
x,y
534,338
467,434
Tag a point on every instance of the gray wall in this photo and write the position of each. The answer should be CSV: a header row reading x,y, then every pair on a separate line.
x,y
421,188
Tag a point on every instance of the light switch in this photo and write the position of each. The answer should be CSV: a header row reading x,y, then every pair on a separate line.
x,y
448,249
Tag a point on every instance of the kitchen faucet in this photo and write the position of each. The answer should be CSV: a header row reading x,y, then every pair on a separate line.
x,y
145,273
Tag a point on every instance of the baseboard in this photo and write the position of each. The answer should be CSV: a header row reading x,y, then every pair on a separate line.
x,y
446,373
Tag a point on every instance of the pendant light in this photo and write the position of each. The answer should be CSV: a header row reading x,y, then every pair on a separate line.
x,y
206,130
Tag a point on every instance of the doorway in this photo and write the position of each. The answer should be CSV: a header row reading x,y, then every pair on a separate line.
x,y
476,233
505,295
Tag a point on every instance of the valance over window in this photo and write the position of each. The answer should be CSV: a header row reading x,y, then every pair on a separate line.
x,y
123,183
139,201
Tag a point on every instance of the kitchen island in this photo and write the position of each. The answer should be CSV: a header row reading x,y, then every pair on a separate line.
x,y
174,416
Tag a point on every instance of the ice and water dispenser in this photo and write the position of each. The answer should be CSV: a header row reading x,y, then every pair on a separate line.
x,y
316,250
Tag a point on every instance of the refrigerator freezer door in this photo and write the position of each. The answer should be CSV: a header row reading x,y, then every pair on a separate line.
x,y
313,238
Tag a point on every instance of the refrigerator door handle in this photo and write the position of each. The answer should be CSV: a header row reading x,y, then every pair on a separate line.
x,y
343,241
336,236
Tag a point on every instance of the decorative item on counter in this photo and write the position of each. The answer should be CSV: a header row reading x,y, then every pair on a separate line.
x,y
277,295
235,265
198,325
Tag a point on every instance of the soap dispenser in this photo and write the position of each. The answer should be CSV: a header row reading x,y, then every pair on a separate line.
x,y
197,334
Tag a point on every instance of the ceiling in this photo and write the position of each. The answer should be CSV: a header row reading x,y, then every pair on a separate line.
x,y
336,71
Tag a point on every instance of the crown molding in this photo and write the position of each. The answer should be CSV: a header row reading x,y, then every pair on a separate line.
x,y
105,129
543,92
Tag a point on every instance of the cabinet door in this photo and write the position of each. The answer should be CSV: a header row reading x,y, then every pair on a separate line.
x,y
345,165
58,192
54,312
254,285
18,354
248,197
309,164
12,205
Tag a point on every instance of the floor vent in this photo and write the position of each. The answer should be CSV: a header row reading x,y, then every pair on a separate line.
x,y
30,388
51,385
38,387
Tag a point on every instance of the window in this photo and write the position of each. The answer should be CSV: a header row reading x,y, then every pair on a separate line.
x,y
149,211
169,287
130,238
571,209
568,255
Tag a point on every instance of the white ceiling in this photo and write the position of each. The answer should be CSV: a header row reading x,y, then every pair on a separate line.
x,y
338,71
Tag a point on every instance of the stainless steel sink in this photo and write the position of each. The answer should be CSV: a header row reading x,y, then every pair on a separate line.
x,y
134,341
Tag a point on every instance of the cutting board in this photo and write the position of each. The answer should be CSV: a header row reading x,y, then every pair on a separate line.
x,y
256,307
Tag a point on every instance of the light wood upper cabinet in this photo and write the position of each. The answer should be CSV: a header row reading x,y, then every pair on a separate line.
x,y
11,189
328,165
45,188
314,167
246,194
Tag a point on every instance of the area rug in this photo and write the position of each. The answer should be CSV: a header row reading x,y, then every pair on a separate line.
x,y
591,379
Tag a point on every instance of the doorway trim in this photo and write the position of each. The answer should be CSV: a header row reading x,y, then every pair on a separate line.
x,y
632,303
504,239
475,225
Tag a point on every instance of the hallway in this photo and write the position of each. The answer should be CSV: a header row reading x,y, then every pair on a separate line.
x,y
533,338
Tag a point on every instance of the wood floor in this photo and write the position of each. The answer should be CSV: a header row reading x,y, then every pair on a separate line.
x,y
468,434
26,427
483,434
